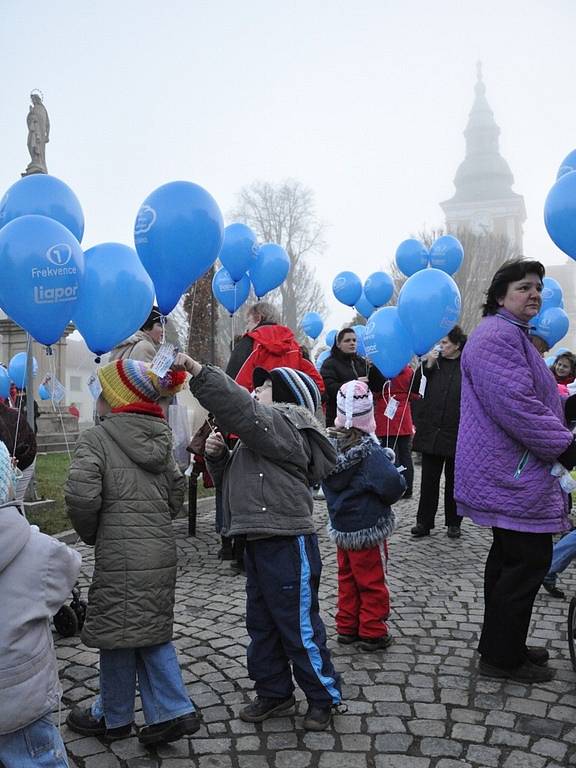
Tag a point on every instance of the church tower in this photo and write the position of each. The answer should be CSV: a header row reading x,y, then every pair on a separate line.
x,y
484,200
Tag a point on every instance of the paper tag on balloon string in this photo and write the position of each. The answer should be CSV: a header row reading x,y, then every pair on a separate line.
x,y
163,360
94,386
422,387
391,408
54,388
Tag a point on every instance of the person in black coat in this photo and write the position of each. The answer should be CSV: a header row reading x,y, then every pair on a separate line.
x,y
345,364
436,420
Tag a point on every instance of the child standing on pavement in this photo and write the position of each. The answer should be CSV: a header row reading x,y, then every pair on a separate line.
x,y
266,495
37,574
359,492
122,490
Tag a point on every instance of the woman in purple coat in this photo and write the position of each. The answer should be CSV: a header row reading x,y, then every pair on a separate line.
x,y
512,431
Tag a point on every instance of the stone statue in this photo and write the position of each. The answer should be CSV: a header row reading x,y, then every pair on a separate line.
x,y
38,135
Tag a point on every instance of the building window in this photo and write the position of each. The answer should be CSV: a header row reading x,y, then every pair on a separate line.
x,y
75,383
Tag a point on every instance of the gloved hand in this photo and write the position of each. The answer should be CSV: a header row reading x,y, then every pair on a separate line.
x,y
568,458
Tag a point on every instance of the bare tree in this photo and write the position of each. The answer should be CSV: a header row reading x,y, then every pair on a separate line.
x,y
284,213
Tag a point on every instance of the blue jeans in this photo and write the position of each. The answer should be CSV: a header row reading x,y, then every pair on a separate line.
x,y
39,745
562,555
162,689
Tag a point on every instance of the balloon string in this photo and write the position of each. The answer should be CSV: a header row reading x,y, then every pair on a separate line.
x,y
190,319
21,398
387,384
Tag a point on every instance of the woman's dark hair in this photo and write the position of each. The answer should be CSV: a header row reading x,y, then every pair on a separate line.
x,y
457,336
509,272
340,335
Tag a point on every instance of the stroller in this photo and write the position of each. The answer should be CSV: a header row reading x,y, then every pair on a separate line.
x,y
70,618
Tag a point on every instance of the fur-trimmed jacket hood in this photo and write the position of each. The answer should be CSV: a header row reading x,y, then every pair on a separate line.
x,y
359,493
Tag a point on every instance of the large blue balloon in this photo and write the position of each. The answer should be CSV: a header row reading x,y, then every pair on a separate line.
x,y
312,324
238,250
552,294
429,306
387,342
17,369
379,289
42,265
447,254
269,269
116,296
321,358
229,293
4,382
347,288
330,337
411,256
178,235
552,325
560,213
360,331
567,165
364,307
46,196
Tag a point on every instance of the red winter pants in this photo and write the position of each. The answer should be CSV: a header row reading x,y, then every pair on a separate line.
x,y
363,597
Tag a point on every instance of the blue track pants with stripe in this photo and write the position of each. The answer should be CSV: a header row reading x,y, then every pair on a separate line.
x,y
282,619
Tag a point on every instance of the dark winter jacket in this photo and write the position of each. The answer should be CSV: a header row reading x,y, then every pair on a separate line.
x,y
437,415
337,370
359,492
268,346
122,490
266,479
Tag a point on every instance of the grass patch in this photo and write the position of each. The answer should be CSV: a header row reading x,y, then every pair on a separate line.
x,y
51,474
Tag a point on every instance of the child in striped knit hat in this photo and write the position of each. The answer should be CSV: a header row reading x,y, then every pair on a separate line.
x,y
122,491
359,492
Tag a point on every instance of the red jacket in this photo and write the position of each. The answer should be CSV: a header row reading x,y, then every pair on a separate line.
x,y
401,424
275,346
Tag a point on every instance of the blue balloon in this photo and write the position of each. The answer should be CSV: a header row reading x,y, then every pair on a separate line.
x,y
560,213
360,331
429,306
42,265
411,256
447,254
550,360
43,393
364,307
17,369
387,342
43,195
561,351
330,337
116,296
552,325
269,269
567,165
4,382
379,289
347,288
312,324
321,358
552,294
238,250
229,293
178,235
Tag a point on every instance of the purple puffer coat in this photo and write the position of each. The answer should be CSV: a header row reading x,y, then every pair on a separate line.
x,y
512,430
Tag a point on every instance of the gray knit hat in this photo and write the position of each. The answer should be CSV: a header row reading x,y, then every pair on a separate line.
x,y
290,386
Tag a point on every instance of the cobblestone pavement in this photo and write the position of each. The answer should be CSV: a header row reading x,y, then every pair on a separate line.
x,y
417,705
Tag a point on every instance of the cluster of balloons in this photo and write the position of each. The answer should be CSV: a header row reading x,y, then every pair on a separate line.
x,y
245,264
551,323
376,291
428,306
446,254
560,207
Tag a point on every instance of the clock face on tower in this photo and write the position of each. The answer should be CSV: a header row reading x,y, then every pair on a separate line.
x,y
481,222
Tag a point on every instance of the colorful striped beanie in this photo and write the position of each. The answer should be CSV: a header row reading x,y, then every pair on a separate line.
x,y
129,385
290,386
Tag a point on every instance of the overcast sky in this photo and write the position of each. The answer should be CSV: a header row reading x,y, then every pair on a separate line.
x,y
364,102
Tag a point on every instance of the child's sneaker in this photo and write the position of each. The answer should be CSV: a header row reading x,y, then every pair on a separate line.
x,y
375,643
347,639
317,718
